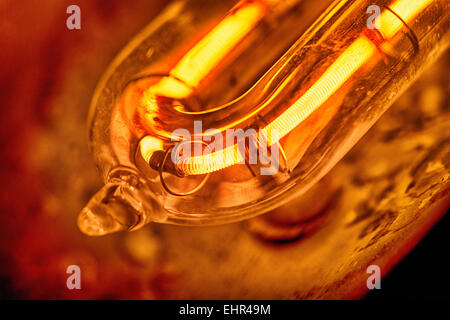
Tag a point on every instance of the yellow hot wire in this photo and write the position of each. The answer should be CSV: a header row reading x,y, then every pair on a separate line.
x,y
199,61
209,51
406,9
334,77
351,60
211,162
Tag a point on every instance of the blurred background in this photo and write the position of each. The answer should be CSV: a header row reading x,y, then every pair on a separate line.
x,y
386,194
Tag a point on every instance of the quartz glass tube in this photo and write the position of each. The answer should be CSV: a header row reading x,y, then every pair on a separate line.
x,y
160,133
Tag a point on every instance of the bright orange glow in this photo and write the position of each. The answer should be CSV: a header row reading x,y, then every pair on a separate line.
x,y
211,162
214,47
407,10
347,64
194,66
351,60
199,61
207,53
149,145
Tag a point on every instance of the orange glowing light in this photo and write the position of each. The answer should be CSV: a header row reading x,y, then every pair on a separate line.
x,y
407,10
350,61
211,162
149,145
347,64
208,52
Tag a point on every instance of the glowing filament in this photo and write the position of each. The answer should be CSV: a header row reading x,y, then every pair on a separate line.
x,y
208,53
214,47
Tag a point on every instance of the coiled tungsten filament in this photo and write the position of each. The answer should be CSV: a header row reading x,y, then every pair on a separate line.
x,y
192,125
